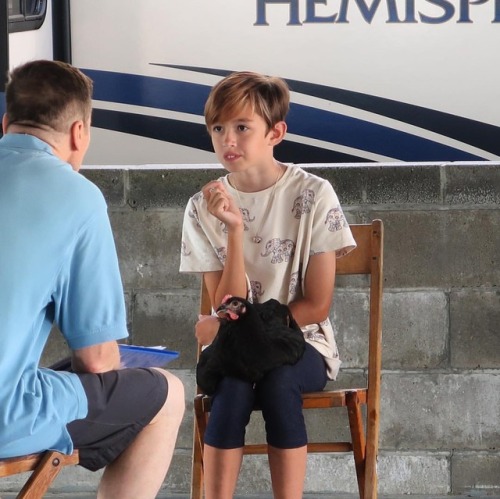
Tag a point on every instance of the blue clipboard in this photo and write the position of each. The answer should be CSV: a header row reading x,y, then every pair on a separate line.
x,y
138,356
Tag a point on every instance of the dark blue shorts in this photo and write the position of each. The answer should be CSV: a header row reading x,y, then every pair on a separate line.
x,y
278,394
120,404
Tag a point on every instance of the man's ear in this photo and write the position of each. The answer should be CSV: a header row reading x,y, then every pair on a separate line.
x,y
77,135
277,133
5,123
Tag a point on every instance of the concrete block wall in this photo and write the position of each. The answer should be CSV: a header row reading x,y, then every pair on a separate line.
x,y
441,342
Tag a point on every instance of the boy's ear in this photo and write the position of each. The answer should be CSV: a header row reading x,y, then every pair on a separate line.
x,y
277,133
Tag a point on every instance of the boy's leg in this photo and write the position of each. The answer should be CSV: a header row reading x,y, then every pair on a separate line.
x,y
279,395
139,471
288,471
221,470
232,405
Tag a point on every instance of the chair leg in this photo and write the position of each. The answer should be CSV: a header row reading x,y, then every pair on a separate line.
x,y
358,439
200,422
371,479
197,467
44,474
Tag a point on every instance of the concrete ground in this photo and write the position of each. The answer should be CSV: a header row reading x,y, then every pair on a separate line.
x,y
163,495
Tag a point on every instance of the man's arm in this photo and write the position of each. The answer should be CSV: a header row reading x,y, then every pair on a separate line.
x,y
98,358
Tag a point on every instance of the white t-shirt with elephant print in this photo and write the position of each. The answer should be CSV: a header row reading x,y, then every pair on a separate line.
x,y
303,218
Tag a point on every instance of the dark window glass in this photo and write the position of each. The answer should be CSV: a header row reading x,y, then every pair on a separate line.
x,y
25,15
14,7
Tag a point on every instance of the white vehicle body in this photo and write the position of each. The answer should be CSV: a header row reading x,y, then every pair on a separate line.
x,y
371,80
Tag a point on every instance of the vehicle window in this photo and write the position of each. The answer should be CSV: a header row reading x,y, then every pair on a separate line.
x,y
25,15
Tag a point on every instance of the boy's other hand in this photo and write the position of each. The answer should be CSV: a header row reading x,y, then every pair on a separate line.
x,y
206,329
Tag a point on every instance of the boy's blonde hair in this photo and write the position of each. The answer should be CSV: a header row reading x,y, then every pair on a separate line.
x,y
267,96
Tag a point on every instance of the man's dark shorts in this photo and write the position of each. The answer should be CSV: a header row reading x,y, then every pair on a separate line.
x,y
120,404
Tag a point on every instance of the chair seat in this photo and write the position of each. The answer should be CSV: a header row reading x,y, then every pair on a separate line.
x,y
45,466
332,398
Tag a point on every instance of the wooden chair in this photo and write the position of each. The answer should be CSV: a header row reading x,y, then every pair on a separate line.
x,y
45,466
366,259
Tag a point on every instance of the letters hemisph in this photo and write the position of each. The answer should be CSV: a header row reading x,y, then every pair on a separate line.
x,y
395,11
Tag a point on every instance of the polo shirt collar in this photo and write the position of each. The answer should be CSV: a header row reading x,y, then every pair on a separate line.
x,y
25,141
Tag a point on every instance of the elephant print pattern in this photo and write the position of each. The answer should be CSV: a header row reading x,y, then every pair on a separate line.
x,y
335,219
303,203
280,249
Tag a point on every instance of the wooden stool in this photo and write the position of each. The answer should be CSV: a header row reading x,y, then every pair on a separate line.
x,y
45,467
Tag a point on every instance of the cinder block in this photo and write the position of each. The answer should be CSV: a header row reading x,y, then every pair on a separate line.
x,y
438,411
167,188
324,425
472,184
441,248
475,472
474,329
415,330
413,184
350,185
110,181
350,319
402,473
168,319
383,185
148,245
334,473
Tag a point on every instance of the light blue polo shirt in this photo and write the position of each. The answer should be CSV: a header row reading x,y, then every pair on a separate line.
x,y
58,265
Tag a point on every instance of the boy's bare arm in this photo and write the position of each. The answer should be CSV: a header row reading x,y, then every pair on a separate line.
x,y
232,279
319,285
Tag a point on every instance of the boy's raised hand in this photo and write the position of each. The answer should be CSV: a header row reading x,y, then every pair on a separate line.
x,y
221,205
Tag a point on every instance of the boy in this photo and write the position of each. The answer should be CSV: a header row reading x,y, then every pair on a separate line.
x,y
265,230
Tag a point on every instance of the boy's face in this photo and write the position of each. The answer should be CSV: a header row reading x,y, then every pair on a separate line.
x,y
242,140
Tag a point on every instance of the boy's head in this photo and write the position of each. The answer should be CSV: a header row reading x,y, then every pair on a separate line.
x,y
48,94
267,96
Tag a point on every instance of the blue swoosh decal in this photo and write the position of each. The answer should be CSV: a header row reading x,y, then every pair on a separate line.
x,y
481,135
303,120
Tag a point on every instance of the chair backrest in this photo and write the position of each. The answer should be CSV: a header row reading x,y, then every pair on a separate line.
x,y
367,258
